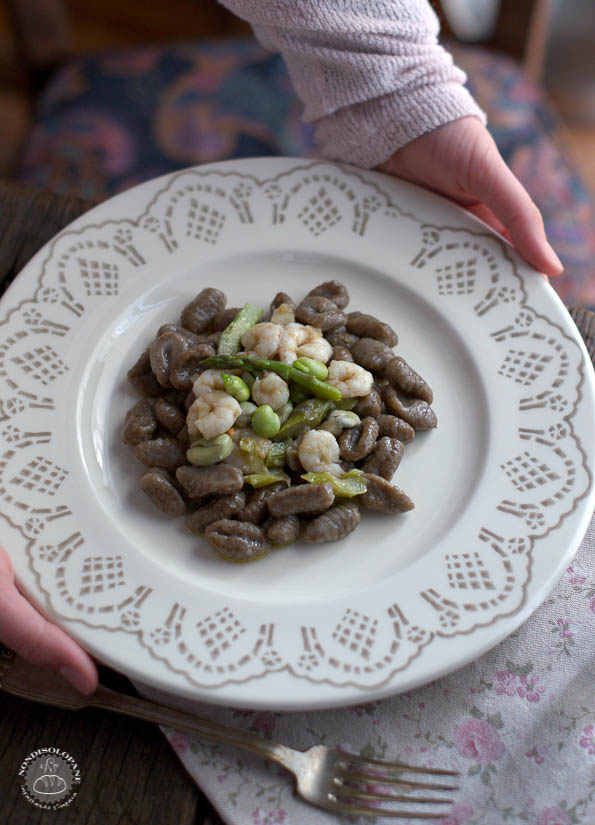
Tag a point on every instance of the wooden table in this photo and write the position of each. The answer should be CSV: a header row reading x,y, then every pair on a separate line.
x,y
130,774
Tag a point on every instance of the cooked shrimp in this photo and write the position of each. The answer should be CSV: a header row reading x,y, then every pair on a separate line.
x,y
263,339
319,452
211,414
293,336
351,380
207,381
318,348
283,315
270,389
296,340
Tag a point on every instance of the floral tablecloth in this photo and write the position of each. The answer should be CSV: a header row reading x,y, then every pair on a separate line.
x,y
519,723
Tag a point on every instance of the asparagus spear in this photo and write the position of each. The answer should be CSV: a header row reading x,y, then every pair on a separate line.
x,y
229,342
250,362
307,415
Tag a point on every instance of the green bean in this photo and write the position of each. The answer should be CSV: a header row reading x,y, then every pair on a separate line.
x,y
229,342
235,387
307,415
250,362
312,367
284,411
265,422
349,485
247,408
347,403
205,452
276,454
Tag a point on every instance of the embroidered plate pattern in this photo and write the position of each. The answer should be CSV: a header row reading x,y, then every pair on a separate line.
x,y
540,474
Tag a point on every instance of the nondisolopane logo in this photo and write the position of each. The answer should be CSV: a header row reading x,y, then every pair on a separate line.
x,y
50,778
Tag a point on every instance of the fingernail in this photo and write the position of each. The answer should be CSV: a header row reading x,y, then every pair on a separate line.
x,y
75,678
555,261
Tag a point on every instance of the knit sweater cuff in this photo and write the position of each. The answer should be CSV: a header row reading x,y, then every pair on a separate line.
x,y
369,133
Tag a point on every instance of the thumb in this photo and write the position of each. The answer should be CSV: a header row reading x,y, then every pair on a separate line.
x,y
36,639
492,183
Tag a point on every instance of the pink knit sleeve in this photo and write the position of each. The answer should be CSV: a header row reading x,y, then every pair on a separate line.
x,y
370,73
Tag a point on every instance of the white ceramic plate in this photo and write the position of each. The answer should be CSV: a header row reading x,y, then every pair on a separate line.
x,y
503,487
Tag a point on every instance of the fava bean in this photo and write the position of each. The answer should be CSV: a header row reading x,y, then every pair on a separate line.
x,y
312,367
265,422
235,387
248,409
339,420
206,452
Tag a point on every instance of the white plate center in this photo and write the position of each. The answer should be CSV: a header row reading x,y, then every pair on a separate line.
x,y
440,470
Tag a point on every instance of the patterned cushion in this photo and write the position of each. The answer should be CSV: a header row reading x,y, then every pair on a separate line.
x,y
109,121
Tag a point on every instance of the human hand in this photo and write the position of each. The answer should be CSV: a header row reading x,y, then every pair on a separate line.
x,y
461,161
37,640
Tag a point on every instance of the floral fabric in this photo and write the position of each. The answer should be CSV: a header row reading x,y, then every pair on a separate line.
x,y
112,120
518,723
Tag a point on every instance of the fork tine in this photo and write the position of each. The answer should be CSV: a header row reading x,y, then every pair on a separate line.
x,y
399,766
368,810
356,793
395,780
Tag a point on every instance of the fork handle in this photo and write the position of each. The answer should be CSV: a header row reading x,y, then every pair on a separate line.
x,y
162,715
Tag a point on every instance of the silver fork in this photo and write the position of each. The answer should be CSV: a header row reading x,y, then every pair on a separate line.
x,y
326,777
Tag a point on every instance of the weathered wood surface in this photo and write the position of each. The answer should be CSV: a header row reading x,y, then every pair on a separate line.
x,y
130,774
